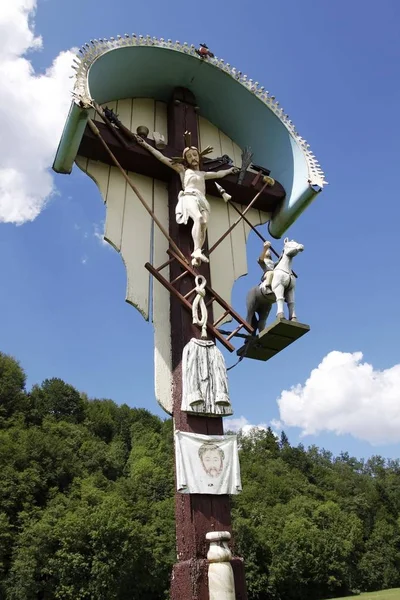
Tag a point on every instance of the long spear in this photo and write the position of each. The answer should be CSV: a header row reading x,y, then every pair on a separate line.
x,y
227,199
248,207
97,133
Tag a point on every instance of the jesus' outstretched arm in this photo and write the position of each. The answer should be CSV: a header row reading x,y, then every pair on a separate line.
x,y
159,155
220,174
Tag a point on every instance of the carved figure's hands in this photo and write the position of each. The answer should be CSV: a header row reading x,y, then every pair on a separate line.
x,y
234,170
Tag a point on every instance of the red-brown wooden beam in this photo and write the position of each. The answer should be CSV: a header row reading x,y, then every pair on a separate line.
x,y
140,161
196,514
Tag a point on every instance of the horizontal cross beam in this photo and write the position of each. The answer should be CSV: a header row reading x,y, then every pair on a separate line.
x,y
136,159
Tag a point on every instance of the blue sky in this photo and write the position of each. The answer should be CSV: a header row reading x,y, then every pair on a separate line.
x,y
334,67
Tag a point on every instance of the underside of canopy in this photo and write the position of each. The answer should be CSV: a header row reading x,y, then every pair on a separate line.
x,y
145,67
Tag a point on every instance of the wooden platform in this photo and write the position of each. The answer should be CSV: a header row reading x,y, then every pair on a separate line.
x,y
274,338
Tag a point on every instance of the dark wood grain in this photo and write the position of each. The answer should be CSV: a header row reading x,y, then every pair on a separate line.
x,y
196,514
133,157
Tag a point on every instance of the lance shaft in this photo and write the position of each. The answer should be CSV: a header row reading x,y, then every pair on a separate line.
x,y
96,132
227,232
256,231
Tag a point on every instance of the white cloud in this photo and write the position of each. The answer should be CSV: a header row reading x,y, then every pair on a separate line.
x,y
346,396
243,425
276,425
33,108
98,232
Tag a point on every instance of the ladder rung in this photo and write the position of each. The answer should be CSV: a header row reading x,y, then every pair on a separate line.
x,y
179,277
188,294
234,332
187,305
221,318
216,296
171,260
210,301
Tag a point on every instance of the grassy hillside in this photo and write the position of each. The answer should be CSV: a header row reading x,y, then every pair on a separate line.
x,y
385,595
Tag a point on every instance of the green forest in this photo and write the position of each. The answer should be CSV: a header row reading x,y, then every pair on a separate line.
x,y
86,505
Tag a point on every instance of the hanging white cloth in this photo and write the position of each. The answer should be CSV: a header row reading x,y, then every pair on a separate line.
x,y
207,464
204,379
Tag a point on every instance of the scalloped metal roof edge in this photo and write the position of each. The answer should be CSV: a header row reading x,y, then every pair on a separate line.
x,y
93,50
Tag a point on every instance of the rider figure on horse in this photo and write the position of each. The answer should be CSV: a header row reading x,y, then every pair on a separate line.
x,y
267,264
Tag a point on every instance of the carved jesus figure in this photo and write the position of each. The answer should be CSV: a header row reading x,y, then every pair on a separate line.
x,y
192,201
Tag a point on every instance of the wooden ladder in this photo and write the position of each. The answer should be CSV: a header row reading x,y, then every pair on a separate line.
x,y
187,299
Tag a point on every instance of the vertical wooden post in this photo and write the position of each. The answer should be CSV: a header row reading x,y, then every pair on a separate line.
x,y
196,514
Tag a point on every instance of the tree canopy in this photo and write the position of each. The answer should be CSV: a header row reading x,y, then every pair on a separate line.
x,y
87,511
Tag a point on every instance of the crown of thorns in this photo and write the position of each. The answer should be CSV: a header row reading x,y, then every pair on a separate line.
x,y
188,146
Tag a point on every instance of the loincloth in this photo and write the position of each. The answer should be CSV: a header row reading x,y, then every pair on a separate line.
x,y
188,203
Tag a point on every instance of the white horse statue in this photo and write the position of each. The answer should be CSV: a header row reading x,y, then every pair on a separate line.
x,y
281,289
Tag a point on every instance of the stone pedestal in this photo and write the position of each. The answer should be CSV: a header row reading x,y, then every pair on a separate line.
x,y
221,582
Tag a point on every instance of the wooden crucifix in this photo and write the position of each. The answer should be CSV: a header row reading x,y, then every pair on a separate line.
x,y
136,75
196,514
133,157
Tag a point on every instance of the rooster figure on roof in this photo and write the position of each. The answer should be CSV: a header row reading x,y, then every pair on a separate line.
x,y
204,52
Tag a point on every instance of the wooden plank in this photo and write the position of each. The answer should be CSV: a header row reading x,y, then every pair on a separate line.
x,y
137,159
124,112
273,339
135,243
100,173
237,237
209,136
256,217
229,260
199,513
234,332
97,171
161,301
160,120
115,208
257,353
221,260
282,327
238,243
226,146
264,217
218,321
143,113
82,163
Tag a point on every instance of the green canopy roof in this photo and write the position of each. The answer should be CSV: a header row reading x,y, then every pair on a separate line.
x,y
137,67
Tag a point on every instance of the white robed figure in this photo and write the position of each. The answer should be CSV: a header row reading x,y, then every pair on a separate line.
x,y
192,201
